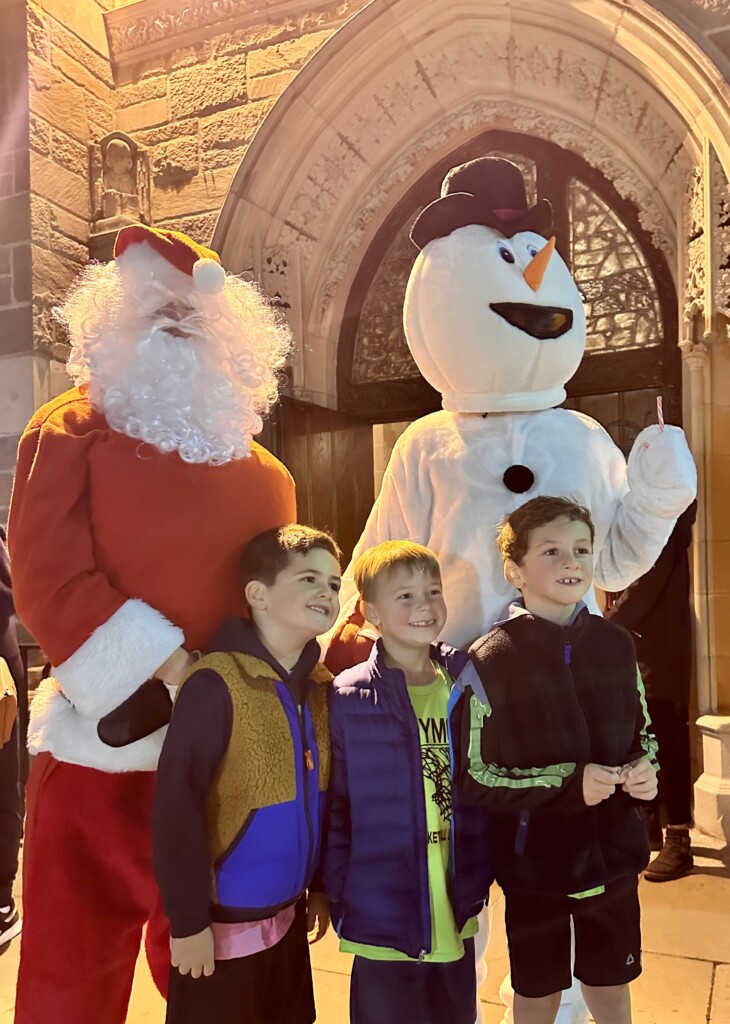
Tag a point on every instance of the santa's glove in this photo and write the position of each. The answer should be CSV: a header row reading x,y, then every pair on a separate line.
x,y
146,711
662,475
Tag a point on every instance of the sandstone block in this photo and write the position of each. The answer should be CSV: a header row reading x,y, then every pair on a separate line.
x,y
70,153
78,74
99,65
6,291
288,55
252,37
52,272
8,450
143,115
68,224
5,259
40,135
166,132
199,90
99,114
233,126
69,249
67,189
203,194
84,17
140,92
14,219
200,227
269,85
40,220
39,36
176,161
231,156
7,184
57,101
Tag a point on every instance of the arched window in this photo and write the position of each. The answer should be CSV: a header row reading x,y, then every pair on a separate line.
x,y
631,352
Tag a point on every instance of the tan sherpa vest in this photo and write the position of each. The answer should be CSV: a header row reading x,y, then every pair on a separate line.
x,y
258,767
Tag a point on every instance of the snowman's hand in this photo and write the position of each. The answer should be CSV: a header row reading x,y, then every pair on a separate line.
x,y
662,475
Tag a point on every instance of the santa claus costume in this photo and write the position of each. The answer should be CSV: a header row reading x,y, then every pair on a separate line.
x,y
495,322
134,495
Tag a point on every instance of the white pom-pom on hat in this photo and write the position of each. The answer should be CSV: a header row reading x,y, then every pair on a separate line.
x,y
209,277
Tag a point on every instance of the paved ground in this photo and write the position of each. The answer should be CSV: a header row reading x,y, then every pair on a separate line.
x,y
686,975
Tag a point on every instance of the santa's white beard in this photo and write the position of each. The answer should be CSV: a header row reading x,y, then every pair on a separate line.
x,y
186,372
168,396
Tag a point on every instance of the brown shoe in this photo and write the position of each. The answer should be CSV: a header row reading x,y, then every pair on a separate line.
x,y
675,858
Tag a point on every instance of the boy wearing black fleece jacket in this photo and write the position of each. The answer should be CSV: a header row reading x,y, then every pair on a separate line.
x,y
240,795
557,750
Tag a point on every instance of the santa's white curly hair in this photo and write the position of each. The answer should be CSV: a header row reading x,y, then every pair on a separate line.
x,y
166,363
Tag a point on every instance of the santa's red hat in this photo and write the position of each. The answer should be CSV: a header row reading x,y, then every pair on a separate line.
x,y
181,252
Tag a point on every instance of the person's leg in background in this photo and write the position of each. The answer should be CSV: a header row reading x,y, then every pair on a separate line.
x,y
11,825
670,723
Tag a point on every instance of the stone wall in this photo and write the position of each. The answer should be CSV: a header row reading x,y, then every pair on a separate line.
x,y
197,106
15,233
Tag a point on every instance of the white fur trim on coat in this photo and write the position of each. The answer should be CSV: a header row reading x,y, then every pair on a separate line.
x,y
117,658
55,726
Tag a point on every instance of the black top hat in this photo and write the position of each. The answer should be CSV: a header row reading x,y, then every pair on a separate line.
x,y
490,191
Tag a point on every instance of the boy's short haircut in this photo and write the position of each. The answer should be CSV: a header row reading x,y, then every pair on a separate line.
x,y
390,555
268,553
516,527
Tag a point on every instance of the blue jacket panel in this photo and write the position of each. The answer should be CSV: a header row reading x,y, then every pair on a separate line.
x,y
374,868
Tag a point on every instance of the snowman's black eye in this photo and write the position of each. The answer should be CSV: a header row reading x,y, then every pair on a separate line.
x,y
532,251
506,255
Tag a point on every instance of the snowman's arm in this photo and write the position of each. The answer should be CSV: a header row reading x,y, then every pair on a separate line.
x,y
662,483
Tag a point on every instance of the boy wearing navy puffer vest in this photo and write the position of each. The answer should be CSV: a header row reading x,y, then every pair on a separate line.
x,y
405,862
241,794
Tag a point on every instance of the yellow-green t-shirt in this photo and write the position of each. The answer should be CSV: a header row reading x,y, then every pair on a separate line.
x,y
430,705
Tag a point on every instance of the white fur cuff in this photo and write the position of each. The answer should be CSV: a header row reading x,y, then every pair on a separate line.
x,y
117,658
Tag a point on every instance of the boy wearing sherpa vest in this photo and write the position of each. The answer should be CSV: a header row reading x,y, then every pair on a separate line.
x,y
240,795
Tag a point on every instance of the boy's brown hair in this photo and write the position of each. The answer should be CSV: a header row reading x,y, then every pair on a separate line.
x,y
268,553
515,528
390,555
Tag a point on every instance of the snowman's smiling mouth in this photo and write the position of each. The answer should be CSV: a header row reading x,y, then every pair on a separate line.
x,y
542,322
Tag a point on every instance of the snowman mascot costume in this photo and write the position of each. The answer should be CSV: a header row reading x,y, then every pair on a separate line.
x,y
135,493
495,322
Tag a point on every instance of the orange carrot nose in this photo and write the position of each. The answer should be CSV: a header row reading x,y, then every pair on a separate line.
x,y
535,269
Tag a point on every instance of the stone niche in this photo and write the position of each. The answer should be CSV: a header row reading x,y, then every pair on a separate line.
x,y
120,190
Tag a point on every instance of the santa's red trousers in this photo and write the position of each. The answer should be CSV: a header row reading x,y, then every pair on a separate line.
x,y
88,891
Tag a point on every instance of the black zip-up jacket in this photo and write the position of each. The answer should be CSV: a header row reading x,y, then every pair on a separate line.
x,y
544,701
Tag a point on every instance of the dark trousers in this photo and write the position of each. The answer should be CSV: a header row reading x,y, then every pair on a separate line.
x,y
11,812
271,987
670,724
396,992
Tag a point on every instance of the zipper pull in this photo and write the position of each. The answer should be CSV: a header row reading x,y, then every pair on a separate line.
x,y
567,651
309,760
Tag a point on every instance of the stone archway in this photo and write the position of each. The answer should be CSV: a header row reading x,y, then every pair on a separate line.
x,y
405,82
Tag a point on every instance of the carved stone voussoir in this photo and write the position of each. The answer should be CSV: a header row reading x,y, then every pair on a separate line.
x,y
720,222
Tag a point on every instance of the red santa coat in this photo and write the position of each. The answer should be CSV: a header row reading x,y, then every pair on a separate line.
x,y
120,555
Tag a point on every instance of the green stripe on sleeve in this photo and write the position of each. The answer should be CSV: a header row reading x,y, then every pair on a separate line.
x,y
494,775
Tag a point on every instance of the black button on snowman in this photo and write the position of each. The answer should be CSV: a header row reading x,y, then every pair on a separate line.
x,y
518,479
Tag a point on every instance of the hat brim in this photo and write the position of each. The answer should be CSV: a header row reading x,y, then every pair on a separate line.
x,y
460,209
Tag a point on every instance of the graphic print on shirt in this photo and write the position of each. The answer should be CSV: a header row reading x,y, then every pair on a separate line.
x,y
435,756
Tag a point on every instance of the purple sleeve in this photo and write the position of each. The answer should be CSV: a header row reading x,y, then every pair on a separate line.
x,y
194,747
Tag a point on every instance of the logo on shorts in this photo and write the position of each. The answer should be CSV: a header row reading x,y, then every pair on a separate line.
x,y
630,960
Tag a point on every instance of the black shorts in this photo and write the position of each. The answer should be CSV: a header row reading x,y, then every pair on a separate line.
x,y
607,939
270,987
